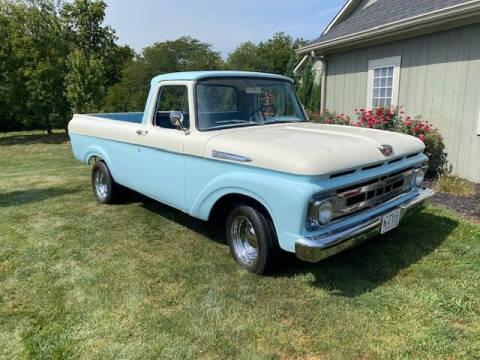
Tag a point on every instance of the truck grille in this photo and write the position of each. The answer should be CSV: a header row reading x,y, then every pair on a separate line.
x,y
371,193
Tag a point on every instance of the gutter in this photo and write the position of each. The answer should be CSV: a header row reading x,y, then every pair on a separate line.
x,y
436,17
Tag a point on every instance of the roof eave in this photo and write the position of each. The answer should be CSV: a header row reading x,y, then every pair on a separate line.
x,y
408,26
346,10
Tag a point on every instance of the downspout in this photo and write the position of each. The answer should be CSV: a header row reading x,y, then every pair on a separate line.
x,y
323,91
321,75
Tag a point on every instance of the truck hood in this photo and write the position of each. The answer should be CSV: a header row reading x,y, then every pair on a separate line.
x,y
308,149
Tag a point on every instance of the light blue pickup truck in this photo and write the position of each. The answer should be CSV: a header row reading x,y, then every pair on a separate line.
x,y
237,147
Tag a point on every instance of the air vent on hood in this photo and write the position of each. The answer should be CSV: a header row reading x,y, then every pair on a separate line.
x,y
342,174
395,160
412,155
372,167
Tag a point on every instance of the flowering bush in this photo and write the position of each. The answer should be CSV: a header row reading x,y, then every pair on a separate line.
x,y
329,117
394,119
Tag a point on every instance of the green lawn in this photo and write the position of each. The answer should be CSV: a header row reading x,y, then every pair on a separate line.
x,y
140,280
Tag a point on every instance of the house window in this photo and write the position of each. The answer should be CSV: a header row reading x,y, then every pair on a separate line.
x,y
382,86
383,82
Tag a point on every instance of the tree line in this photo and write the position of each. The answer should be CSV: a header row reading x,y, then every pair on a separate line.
x,y
57,58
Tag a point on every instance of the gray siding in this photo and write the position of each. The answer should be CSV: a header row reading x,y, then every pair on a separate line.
x,y
439,79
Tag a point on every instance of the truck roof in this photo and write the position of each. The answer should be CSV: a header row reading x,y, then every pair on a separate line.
x,y
197,75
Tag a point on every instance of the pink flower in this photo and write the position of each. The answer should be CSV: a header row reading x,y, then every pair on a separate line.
x,y
408,123
421,137
415,129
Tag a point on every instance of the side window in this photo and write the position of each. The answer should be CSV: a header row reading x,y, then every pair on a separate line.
x,y
172,98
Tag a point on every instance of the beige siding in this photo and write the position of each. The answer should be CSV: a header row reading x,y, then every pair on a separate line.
x,y
439,79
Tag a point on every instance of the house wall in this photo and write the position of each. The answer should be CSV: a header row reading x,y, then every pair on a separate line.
x,y
439,79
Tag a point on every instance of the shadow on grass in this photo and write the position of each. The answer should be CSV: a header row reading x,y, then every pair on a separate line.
x,y
213,232
364,268
22,197
26,139
356,271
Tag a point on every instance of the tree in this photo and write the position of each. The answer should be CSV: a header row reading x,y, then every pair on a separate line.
x,y
85,82
43,41
246,57
183,54
96,61
272,56
309,89
84,23
306,84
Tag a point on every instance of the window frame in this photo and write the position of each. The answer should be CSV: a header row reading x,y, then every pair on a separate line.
x,y
395,62
478,122
154,96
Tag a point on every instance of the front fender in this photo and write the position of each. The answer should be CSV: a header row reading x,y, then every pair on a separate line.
x,y
285,196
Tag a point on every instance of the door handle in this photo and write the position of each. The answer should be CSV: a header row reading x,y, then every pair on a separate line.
x,y
142,132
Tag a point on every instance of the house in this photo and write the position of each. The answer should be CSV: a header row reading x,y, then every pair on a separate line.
x,y
421,54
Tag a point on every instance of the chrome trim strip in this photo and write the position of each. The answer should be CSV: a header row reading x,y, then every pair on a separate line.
x,y
227,156
316,248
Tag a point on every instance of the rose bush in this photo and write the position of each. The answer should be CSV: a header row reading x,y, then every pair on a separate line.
x,y
393,119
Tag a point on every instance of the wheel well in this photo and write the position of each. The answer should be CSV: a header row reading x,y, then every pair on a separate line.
x,y
222,207
93,159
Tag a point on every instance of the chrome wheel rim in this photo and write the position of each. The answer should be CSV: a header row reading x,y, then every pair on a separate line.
x,y
244,240
101,187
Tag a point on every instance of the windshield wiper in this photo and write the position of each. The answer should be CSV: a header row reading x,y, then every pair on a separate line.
x,y
279,121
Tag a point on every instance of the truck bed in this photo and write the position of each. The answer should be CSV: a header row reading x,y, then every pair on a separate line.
x,y
132,117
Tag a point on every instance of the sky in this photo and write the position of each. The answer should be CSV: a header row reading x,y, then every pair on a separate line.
x,y
222,23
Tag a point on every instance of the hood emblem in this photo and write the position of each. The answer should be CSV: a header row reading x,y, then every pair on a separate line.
x,y
386,150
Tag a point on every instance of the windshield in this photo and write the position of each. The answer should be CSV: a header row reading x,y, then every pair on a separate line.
x,y
234,102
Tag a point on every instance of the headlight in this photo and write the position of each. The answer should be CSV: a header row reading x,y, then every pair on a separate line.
x,y
418,176
325,212
322,211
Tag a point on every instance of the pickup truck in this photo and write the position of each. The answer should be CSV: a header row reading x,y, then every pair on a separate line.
x,y
237,147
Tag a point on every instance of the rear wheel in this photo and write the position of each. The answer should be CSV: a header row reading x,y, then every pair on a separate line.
x,y
251,238
104,188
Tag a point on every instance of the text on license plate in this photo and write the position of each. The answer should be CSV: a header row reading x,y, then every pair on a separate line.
x,y
390,221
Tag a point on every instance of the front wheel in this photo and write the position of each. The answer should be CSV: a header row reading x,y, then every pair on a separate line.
x,y
104,188
251,239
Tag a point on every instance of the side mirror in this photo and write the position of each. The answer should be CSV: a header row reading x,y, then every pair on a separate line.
x,y
176,118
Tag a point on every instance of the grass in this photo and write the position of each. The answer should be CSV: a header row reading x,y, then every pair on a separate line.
x,y
454,185
142,281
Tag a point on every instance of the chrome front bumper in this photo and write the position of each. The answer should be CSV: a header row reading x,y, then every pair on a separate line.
x,y
314,249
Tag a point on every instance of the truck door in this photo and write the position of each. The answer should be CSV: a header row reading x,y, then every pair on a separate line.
x,y
160,158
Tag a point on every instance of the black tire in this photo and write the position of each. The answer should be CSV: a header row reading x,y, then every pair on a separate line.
x,y
244,216
108,193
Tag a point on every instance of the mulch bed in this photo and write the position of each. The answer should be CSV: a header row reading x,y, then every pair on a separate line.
x,y
468,207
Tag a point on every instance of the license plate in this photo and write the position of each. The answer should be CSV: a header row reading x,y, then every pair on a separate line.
x,y
390,221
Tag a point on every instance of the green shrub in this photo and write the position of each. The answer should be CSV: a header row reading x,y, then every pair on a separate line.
x,y
394,119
